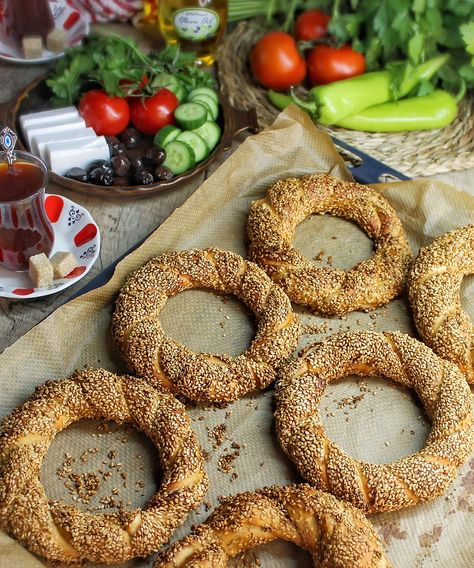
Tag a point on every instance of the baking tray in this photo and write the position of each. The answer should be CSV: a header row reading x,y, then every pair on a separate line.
x,y
364,168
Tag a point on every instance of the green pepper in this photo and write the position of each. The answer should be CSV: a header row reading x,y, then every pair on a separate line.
x,y
435,110
279,100
329,104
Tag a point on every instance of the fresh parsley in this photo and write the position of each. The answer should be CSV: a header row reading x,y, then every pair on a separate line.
x,y
118,65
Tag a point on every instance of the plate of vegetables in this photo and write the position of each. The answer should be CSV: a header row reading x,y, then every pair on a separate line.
x,y
161,118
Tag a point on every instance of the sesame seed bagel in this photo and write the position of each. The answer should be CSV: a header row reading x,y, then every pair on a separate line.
x,y
203,376
434,285
373,282
334,532
440,386
60,532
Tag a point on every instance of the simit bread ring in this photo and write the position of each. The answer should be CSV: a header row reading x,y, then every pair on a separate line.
x,y
201,376
60,532
271,229
375,487
434,290
334,532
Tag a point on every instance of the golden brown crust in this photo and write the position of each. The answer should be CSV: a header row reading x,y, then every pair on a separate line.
x,y
271,229
434,287
202,376
375,487
334,532
60,532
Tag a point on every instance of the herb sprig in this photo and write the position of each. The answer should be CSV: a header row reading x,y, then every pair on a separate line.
x,y
118,65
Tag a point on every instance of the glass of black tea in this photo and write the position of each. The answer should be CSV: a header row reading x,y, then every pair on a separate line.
x,y
25,229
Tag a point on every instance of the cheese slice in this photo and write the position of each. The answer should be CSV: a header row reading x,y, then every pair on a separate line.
x,y
62,156
47,117
69,126
62,136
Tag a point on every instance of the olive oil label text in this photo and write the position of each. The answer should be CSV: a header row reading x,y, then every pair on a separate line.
x,y
196,25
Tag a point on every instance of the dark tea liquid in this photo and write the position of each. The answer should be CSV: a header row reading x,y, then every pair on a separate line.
x,y
25,229
19,181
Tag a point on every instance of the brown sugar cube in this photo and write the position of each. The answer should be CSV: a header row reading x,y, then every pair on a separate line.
x,y
40,270
63,263
56,40
32,47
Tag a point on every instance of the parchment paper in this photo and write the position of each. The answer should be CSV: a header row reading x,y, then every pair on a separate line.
x,y
372,419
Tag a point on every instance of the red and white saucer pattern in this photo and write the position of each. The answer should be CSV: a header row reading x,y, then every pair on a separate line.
x,y
74,231
66,15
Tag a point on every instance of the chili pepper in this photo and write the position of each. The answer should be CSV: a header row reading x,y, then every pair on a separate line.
x,y
279,100
435,110
329,104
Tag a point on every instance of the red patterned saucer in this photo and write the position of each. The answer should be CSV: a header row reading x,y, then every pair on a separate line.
x,y
74,231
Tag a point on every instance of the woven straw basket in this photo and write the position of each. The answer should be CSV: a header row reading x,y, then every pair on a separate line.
x,y
419,153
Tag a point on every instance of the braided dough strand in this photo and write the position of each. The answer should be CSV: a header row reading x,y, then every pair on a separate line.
x,y
375,487
373,282
60,532
334,532
203,376
434,286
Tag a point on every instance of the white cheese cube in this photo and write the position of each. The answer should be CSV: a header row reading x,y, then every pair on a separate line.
x,y
47,117
63,263
69,126
61,137
76,154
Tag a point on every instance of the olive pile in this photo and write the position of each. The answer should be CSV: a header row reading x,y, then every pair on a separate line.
x,y
134,161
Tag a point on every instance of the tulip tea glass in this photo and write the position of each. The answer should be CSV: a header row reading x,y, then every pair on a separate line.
x,y
25,229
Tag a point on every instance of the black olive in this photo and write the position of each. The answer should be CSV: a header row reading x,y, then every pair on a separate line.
x,y
98,176
117,148
143,177
121,181
77,174
130,137
104,165
154,156
121,165
162,173
136,164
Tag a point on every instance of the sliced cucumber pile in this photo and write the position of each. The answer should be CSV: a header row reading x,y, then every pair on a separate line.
x,y
196,134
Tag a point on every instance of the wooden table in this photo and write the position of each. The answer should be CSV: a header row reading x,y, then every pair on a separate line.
x,y
122,222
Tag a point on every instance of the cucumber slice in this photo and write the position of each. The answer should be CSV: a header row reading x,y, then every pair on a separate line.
x,y
203,91
164,80
178,90
180,157
210,133
209,102
190,115
197,143
166,135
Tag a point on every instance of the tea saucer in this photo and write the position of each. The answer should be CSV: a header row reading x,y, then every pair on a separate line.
x,y
74,231
65,16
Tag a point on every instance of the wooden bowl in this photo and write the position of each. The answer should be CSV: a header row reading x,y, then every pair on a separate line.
x,y
35,97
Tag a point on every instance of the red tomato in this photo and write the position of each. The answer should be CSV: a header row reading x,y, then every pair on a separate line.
x,y
108,116
276,62
312,24
149,114
327,64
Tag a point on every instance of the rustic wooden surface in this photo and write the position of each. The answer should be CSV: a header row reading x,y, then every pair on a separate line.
x,y
122,222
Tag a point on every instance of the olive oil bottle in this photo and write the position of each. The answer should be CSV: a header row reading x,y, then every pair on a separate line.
x,y
196,25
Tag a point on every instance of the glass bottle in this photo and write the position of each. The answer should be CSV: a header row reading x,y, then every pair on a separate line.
x,y
196,25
